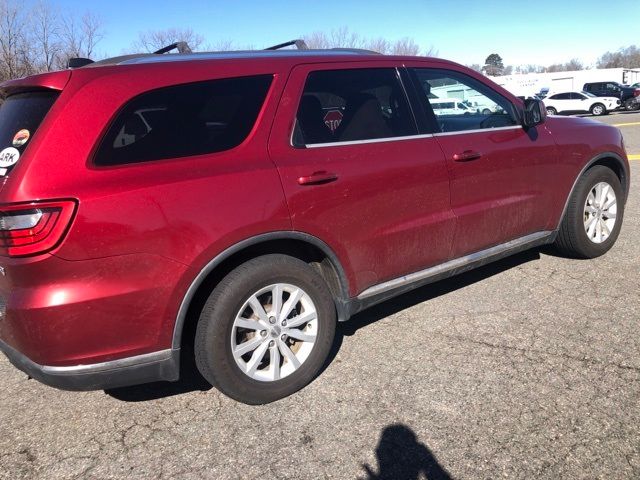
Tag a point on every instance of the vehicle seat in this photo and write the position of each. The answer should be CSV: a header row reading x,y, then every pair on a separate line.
x,y
311,121
363,119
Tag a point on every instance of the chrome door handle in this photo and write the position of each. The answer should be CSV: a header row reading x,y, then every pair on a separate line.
x,y
467,156
318,178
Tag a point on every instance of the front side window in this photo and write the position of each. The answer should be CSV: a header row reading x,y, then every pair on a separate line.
x,y
184,120
485,108
352,105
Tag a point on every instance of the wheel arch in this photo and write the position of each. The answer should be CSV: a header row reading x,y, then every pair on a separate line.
x,y
610,160
297,244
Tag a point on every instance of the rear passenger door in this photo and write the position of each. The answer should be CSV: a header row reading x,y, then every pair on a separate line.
x,y
358,175
502,176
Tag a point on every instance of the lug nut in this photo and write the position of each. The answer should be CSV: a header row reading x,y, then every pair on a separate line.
x,y
284,323
283,338
272,343
263,333
272,320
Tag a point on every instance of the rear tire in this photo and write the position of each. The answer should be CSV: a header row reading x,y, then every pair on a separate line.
x,y
551,111
250,310
592,221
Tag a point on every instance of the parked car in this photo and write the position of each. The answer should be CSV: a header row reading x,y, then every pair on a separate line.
x,y
580,102
205,211
629,96
449,106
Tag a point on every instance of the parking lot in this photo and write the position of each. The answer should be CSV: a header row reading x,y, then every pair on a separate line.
x,y
527,368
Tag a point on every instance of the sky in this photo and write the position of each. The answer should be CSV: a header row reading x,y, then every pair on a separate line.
x,y
466,31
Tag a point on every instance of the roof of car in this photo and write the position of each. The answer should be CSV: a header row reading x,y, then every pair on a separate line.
x,y
142,58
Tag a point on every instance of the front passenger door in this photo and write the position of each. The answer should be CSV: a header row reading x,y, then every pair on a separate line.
x,y
501,175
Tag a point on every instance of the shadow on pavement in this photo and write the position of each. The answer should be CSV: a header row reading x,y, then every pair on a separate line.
x,y
433,290
401,457
191,380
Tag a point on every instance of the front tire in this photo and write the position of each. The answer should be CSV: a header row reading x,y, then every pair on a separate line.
x,y
592,221
598,109
266,330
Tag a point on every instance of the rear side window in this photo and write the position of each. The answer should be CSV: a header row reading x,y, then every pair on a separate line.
x,y
184,120
352,105
20,116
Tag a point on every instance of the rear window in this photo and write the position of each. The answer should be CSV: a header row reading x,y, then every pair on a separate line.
x,y
20,116
184,120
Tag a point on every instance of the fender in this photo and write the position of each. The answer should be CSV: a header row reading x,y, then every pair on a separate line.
x,y
341,301
625,181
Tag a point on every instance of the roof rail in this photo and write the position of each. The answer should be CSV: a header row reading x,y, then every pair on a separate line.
x,y
299,44
182,47
356,50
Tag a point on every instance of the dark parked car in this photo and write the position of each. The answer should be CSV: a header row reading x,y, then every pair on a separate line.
x,y
629,96
229,208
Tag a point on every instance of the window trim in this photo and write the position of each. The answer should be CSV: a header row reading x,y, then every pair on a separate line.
x,y
407,98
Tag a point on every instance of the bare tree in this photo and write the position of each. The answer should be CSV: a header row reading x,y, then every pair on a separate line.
x,y
45,36
570,66
405,46
15,57
530,68
156,39
628,57
343,38
79,37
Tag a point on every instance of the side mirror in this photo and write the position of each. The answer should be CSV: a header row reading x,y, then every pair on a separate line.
x,y
534,112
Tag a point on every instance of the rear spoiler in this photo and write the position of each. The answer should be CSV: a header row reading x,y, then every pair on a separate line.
x,y
50,81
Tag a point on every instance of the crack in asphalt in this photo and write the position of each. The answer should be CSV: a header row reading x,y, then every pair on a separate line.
x,y
525,351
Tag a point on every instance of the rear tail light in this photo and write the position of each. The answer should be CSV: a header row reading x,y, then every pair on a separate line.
x,y
636,92
34,228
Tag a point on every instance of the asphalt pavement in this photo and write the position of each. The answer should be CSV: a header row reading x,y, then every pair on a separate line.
x,y
527,368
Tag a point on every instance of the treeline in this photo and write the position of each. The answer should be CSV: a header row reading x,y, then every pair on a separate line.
x,y
37,37
343,38
625,57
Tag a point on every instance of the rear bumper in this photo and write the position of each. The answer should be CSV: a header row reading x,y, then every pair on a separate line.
x,y
151,367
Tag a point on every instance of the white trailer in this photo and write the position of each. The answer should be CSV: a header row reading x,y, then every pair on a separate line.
x,y
528,84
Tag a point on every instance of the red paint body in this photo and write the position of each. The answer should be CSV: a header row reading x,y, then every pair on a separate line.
x,y
141,234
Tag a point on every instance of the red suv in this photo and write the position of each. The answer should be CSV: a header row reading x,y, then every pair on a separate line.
x,y
234,206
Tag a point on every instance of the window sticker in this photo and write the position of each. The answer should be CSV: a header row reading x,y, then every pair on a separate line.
x,y
333,119
21,137
9,157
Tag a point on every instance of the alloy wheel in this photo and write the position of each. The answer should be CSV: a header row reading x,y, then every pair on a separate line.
x,y
274,332
600,211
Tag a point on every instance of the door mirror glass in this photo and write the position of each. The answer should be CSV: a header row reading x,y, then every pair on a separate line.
x,y
534,112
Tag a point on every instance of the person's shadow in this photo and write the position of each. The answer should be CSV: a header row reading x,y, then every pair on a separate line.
x,y
402,457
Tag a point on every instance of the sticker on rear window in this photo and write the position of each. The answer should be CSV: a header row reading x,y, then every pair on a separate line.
x,y
22,137
9,157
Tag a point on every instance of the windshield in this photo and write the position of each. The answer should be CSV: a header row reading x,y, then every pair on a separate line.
x,y
588,94
20,116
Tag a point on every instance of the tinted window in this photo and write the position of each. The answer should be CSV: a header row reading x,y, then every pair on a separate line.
x,y
184,120
349,105
577,96
561,96
20,117
485,108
